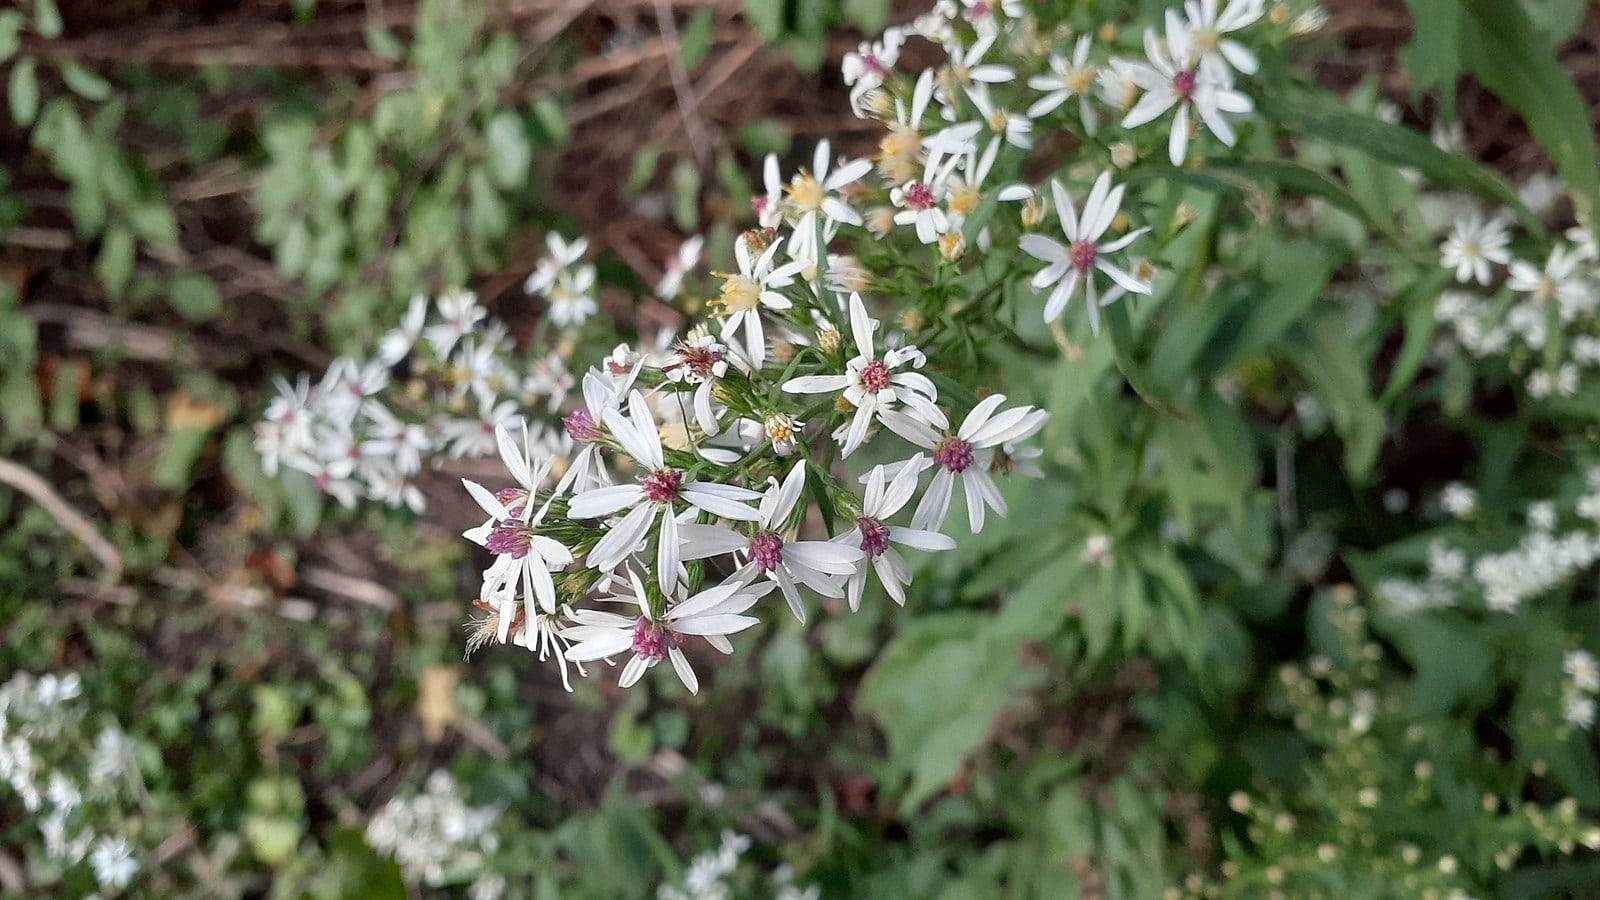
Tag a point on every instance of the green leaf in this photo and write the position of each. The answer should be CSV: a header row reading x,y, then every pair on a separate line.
x,y
46,18
765,136
694,41
1433,57
1299,180
509,152
22,92
1321,116
114,266
552,121
85,83
645,163
1417,304
766,17
195,297
174,468
10,33
867,15
383,43
686,195
1502,48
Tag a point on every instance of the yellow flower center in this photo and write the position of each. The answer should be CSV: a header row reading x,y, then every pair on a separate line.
x,y
1206,41
740,293
1079,81
965,200
998,120
804,193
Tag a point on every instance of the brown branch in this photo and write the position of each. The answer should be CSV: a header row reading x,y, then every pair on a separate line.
x,y
73,522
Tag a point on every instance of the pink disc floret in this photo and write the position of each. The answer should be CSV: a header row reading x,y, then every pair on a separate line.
x,y
661,486
581,426
918,196
651,640
766,551
874,376
1083,255
953,454
510,538
1183,84
874,536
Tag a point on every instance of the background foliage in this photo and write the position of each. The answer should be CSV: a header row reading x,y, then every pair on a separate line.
x,y
1170,670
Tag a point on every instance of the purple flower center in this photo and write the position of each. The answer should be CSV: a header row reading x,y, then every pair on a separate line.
x,y
512,498
758,205
980,10
873,65
513,538
700,361
1183,85
766,551
651,640
874,376
954,454
918,196
581,426
661,486
1083,255
874,536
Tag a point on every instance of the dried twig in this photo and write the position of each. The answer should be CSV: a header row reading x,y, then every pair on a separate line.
x,y
25,481
688,100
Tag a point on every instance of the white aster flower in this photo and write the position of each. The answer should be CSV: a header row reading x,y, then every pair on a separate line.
x,y
1581,667
1014,127
1065,81
1084,254
562,256
654,493
683,262
113,863
572,297
871,383
397,343
919,202
1458,500
460,313
754,286
872,62
967,456
1168,81
712,614
585,426
699,359
883,499
814,193
772,551
1473,245
1561,280
1578,711
1208,28
523,556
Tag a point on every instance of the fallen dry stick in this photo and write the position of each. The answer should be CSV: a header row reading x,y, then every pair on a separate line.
x,y
24,480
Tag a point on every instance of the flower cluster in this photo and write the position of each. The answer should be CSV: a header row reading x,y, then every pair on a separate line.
x,y
690,483
438,839
434,390
703,478
1546,555
1542,316
76,780
1579,688
713,875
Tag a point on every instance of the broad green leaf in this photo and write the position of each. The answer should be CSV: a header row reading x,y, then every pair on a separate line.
x,y
46,18
195,296
10,33
1298,179
509,152
1502,48
85,83
22,92
1416,305
114,265
694,41
1433,56
174,468
1320,116
766,17
867,15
